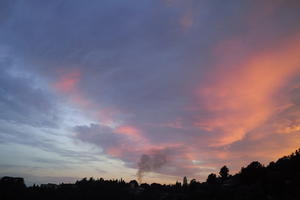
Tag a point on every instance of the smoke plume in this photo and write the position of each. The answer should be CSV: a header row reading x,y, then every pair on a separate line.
x,y
150,163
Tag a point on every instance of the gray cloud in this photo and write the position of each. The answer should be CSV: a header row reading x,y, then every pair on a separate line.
x,y
102,136
22,102
151,162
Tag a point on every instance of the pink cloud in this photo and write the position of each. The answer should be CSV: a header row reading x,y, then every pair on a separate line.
x,y
242,97
67,81
128,130
67,84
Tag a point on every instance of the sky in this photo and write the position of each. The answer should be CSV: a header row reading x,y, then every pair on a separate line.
x,y
148,89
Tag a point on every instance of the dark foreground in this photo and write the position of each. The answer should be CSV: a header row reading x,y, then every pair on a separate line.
x,y
278,180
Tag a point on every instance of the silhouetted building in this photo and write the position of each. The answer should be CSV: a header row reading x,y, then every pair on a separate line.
x,y
49,186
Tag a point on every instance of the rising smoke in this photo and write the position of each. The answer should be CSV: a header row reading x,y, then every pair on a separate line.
x,y
150,163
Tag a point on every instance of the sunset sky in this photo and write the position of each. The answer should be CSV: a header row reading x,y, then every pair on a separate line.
x,y
89,87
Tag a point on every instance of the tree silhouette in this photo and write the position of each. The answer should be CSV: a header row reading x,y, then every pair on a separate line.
x,y
212,179
279,180
224,173
254,172
185,182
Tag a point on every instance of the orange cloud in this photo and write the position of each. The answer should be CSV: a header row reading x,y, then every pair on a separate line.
x,y
242,97
264,150
289,129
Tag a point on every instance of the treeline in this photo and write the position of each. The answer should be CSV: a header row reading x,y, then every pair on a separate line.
x,y
276,181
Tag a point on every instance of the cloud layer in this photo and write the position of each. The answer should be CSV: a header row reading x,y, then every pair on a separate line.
x,y
196,84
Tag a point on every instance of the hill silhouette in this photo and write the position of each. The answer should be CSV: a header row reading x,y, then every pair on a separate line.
x,y
278,180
